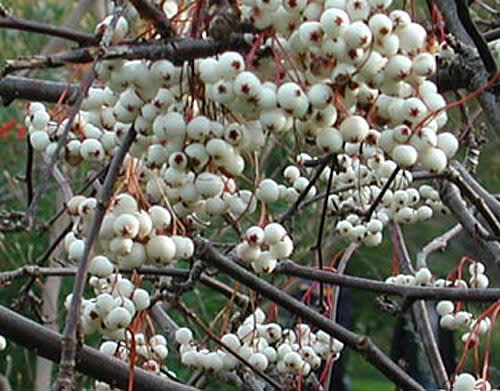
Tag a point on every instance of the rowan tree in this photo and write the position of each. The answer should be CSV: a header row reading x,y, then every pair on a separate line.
x,y
244,149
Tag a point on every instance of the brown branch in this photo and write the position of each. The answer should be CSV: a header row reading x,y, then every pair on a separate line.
x,y
421,316
8,20
47,343
450,195
473,190
492,35
290,268
16,87
177,51
150,12
361,343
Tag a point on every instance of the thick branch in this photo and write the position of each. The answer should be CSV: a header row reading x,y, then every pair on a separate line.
x,y
360,343
15,87
148,11
91,362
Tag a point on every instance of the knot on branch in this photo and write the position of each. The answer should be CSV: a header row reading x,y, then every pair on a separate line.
x,y
363,343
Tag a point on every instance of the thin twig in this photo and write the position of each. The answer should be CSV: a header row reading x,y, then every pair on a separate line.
x,y
319,241
380,195
291,211
12,22
437,244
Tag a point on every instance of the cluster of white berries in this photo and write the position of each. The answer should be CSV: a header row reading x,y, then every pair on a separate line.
x,y
150,354
113,308
467,382
401,204
453,317
263,345
423,277
378,115
129,236
263,247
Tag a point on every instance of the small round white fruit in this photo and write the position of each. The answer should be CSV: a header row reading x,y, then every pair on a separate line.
x,y
183,336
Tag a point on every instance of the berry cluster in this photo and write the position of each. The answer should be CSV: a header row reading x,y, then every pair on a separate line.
x,y
129,236
150,354
262,345
263,247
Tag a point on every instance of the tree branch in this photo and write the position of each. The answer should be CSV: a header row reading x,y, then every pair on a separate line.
x,y
150,12
177,51
16,87
7,20
290,268
91,362
450,195
436,244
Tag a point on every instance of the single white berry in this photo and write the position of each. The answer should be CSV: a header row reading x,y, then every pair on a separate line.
x,y
273,233
141,299
354,129
423,276
464,382
404,155
267,191
3,343
100,266
160,249
183,336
